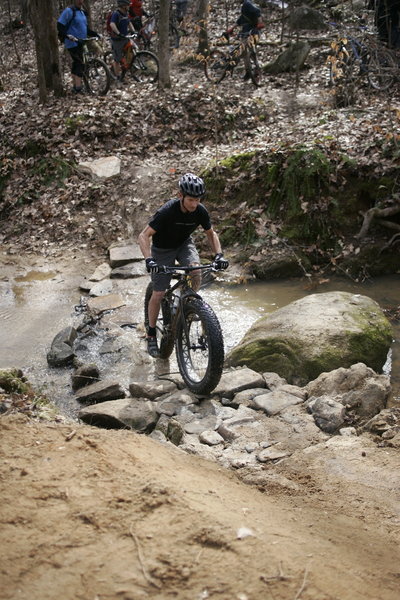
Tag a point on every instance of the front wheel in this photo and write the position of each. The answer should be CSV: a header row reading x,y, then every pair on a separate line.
x,y
97,77
144,67
199,347
215,66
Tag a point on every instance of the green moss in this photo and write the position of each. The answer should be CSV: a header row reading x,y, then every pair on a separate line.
x,y
13,381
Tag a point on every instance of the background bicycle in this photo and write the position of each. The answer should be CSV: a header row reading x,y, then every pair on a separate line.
x,y
187,322
354,57
141,65
96,74
220,61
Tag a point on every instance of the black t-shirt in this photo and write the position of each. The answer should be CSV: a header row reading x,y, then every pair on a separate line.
x,y
173,227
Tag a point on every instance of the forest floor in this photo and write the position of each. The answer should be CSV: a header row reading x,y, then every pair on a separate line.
x,y
106,515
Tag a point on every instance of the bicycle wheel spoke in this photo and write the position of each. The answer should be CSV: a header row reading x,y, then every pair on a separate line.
x,y
144,68
97,77
381,68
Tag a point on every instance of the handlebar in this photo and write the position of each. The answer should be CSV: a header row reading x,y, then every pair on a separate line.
x,y
177,269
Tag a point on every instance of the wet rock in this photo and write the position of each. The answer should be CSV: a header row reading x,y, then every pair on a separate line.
x,y
122,255
61,352
101,304
151,389
84,375
101,391
275,402
237,380
328,414
138,415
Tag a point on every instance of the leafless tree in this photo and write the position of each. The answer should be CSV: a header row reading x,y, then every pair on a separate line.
x,y
163,56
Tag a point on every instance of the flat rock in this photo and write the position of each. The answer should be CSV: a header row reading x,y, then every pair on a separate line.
x,y
121,255
103,303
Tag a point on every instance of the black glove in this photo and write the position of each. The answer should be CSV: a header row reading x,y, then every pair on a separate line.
x,y
152,266
220,263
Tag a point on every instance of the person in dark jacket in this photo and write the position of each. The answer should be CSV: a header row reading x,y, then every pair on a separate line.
x,y
72,26
250,23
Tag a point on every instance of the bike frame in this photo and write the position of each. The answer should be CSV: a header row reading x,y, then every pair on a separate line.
x,y
184,282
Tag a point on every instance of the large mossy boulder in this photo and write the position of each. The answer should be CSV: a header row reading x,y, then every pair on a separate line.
x,y
315,334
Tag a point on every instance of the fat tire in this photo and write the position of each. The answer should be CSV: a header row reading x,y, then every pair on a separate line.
x,y
165,336
97,77
144,67
209,360
215,66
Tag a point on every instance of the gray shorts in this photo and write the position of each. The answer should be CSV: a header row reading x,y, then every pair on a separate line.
x,y
185,255
117,48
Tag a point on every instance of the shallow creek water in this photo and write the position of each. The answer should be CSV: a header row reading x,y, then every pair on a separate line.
x,y
36,303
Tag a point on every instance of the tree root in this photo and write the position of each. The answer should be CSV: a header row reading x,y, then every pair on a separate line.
x,y
379,213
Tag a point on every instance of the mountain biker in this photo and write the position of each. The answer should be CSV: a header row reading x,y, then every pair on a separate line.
x,y
120,26
136,12
250,22
167,238
72,26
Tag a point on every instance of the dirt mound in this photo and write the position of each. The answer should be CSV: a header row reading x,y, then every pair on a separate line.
x,y
88,513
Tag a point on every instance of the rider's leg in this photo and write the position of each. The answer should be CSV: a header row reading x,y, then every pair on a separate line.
x,y
188,256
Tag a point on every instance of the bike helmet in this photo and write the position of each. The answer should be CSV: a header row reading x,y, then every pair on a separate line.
x,y
123,2
191,185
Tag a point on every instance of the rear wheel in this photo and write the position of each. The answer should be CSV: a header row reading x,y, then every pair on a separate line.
x,y
144,67
381,68
215,66
165,337
255,69
200,347
97,77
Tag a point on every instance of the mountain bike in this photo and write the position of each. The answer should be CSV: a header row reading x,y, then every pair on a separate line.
x,y
351,59
187,322
96,74
141,65
219,62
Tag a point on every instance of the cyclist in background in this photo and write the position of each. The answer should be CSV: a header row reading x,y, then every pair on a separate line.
x,y
250,22
167,238
181,9
136,12
72,26
120,26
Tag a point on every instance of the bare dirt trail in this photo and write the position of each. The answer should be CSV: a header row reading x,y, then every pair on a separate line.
x,y
89,513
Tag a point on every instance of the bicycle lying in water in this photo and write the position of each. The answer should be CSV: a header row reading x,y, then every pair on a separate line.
x,y
220,62
187,322
141,65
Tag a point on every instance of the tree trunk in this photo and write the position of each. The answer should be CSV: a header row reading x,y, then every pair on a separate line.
x,y
164,78
46,44
202,19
